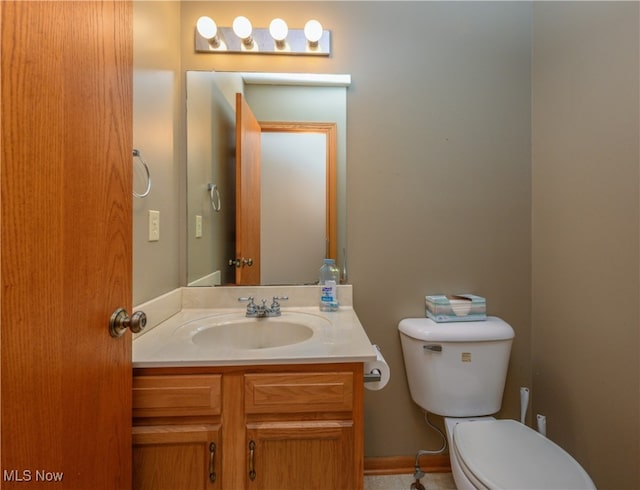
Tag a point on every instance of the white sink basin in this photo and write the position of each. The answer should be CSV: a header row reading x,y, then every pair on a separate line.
x,y
262,333
238,332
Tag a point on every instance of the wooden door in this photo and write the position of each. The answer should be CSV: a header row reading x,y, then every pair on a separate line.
x,y
304,455
247,194
65,187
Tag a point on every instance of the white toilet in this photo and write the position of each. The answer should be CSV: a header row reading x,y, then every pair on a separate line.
x,y
458,370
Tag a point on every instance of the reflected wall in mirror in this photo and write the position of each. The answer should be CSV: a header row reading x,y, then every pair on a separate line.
x,y
290,160
299,222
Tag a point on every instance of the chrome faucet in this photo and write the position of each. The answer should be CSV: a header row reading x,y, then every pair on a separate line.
x,y
261,311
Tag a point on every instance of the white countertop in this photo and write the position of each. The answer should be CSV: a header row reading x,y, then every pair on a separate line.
x,y
170,342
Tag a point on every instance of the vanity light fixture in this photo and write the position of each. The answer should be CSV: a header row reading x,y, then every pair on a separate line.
x,y
313,32
242,37
242,28
279,30
208,29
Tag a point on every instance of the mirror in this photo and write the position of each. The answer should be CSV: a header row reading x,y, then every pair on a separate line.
x,y
302,176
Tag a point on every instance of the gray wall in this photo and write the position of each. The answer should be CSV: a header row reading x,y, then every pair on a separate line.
x,y
585,233
211,145
438,172
157,126
439,194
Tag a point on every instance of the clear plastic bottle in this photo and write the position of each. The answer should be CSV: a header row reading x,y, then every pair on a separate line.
x,y
329,279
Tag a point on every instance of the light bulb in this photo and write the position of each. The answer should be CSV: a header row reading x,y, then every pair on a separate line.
x,y
313,32
207,28
278,30
242,28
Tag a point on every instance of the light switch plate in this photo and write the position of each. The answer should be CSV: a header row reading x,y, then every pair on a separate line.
x,y
154,225
198,226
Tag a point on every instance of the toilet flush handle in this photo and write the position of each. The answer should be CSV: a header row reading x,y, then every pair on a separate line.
x,y
433,347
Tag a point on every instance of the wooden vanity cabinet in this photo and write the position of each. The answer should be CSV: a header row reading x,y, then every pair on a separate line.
x,y
176,432
298,455
277,428
300,430
175,456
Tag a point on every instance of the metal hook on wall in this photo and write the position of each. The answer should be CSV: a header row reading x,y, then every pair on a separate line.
x,y
136,153
214,196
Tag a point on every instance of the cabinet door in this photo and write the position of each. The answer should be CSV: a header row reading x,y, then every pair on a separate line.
x,y
176,457
304,455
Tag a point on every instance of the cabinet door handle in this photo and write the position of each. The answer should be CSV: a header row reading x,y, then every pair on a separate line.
x,y
212,462
252,471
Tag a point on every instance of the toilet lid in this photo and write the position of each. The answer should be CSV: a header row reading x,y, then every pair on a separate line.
x,y
507,454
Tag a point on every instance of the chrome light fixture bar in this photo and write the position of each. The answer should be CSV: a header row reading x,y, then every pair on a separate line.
x,y
313,40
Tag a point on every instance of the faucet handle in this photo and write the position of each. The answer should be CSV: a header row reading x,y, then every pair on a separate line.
x,y
275,305
251,307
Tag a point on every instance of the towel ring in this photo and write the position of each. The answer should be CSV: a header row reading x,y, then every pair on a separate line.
x,y
136,153
214,197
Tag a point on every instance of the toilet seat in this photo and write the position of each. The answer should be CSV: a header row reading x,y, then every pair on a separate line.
x,y
506,454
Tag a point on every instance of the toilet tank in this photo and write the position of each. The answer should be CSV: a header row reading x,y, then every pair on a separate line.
x,y
456,369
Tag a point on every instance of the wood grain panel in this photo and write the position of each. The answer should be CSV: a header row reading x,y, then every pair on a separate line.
x,y
65,187
32,155
175,457
248,188
298,392
294,455
234,454
404,465
155,396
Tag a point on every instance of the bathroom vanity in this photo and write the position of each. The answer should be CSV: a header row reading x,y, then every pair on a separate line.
x,y
261,427
249,417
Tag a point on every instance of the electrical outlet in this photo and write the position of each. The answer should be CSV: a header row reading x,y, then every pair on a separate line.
x,y
154,225
198,226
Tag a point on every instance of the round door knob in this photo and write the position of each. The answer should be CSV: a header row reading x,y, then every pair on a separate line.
x,y
120,321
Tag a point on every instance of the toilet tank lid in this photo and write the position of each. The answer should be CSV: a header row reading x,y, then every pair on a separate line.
x,y
493,328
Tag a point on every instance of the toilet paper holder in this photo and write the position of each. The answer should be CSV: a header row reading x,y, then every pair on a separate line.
x,y
376,372
373,376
